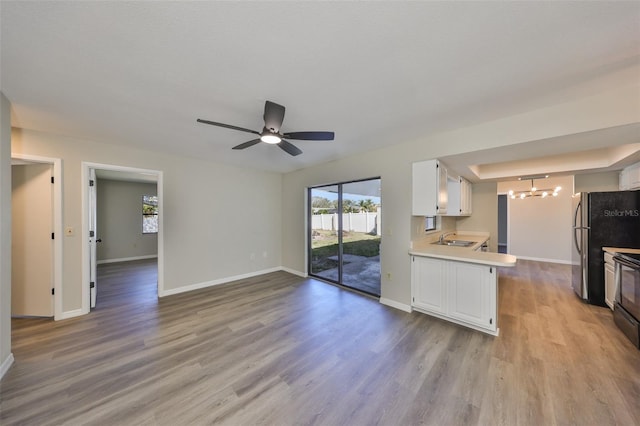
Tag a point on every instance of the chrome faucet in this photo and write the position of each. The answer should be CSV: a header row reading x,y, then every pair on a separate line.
x,y
445,234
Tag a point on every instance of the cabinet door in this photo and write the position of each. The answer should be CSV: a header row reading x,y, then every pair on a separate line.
x,y
428,284
425,188
609,284
465,197
472,294
443,197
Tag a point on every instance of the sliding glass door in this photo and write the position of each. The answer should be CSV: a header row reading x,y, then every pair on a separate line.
x,y
344,234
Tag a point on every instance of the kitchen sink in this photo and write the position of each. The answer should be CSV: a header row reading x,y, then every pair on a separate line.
x,y
456,243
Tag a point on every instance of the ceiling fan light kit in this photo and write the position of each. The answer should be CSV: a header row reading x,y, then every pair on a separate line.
x,y
273,117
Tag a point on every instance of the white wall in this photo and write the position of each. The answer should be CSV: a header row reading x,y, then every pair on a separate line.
x,y
540,228
210,229
393,165
119,210
5,235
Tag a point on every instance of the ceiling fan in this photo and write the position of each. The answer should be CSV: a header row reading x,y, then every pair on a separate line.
x,y
273,116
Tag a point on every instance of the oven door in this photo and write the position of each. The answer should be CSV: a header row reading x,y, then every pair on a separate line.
x,y
628,295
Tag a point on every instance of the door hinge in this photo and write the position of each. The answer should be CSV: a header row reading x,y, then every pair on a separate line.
x,y
92,285
490,320
53,291
91,182
52,180
92,233
413,299
53,236
491,270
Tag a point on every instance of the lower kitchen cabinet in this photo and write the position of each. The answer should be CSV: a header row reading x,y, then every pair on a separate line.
x,y
464,293
472,290
609,280
427,278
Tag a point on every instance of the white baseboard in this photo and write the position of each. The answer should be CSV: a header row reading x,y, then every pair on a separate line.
x,y
294,272
127,259
539,259
6,364
72,314
397,305
212,283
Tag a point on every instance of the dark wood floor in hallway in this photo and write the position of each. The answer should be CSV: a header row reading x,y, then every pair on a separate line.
x,y
280,349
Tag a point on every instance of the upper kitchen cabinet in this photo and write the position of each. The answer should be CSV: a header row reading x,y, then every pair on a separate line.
x,y
630,177
460,197
429,188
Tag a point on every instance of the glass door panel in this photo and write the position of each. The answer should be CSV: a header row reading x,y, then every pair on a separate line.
x,y
361,235
324,257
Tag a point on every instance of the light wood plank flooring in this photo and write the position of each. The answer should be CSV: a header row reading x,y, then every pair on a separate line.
x,y
279,349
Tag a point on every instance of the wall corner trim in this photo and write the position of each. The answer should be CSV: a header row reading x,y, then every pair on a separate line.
x,y
6,364
397,305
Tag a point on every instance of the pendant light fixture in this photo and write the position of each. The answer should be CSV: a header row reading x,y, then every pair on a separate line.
x,y
534,191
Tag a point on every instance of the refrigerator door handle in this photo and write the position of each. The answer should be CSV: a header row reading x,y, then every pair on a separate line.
x,y
576,228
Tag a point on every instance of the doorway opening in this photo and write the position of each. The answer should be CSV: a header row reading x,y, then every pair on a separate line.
x,y
344,234
36,236
503,228
116,203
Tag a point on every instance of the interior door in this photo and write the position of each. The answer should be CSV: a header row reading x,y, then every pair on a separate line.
x,y
93,279
32,243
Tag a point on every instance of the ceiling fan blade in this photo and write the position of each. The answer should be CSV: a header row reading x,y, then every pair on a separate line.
x,y
228,126
247,144
310,136
273,116
289,148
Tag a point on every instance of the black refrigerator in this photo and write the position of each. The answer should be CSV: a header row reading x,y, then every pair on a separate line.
x,y
601,219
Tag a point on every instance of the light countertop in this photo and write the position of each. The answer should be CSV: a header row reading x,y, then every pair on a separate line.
x,y
614,250
423,247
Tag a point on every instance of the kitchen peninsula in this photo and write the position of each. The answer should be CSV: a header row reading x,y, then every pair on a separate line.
x,y
453,279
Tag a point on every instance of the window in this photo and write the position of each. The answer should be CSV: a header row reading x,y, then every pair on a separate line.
x,y
430,223
149,214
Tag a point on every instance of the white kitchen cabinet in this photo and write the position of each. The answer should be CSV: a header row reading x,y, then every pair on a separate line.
x,y
460,292
609,280
630,177
459,197
429,190
472,293
427,284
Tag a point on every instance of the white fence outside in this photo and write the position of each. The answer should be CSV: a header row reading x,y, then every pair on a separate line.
x,y
368,222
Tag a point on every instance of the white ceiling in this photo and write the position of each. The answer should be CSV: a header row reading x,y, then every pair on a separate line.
x,y
376,73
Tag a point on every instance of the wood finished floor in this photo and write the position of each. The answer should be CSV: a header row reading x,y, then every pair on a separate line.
x,y
279,349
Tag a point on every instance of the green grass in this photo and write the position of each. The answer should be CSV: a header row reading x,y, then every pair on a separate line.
x,y
325,244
